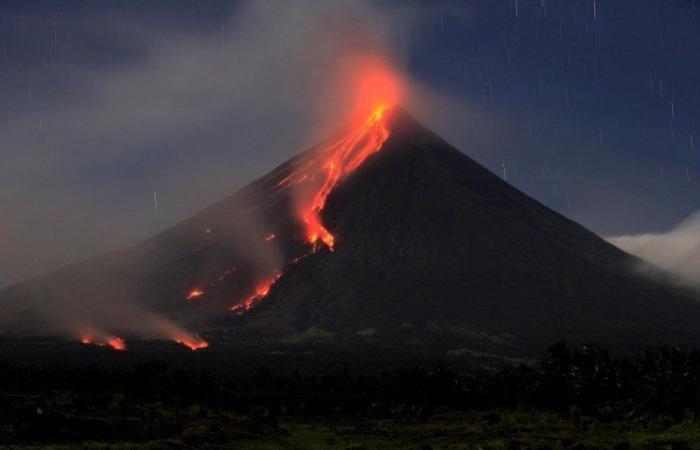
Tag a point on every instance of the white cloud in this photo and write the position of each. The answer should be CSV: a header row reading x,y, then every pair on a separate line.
x,y
677,250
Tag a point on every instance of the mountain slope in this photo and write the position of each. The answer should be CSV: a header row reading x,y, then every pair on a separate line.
x,y
430,239
431,251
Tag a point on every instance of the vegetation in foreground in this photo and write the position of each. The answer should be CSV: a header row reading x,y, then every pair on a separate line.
x,y
573,399
498,429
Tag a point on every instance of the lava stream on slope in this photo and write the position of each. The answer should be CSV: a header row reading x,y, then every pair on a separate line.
x,y
323,171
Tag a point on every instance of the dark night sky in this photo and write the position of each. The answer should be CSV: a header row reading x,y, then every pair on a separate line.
x,y
592,107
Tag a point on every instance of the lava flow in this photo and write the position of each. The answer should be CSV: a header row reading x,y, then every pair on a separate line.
x,y
375,88
330,164
115,342
260,292
336,162
192,342
194,294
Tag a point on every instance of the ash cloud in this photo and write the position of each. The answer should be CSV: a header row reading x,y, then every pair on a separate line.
x,y
191,115
676,250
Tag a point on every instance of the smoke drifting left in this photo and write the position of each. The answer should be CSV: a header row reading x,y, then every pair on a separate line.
x,y
196,116
56,305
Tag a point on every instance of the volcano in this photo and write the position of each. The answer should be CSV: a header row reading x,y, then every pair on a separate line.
x,y
383,235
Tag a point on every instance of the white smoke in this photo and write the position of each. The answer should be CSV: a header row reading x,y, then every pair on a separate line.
x,y
677,250
196,116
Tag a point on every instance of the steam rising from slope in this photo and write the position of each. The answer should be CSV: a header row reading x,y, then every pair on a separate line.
x,y
106,320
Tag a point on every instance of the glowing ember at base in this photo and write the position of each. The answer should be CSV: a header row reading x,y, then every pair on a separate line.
x,y
192,342
115,342
194,294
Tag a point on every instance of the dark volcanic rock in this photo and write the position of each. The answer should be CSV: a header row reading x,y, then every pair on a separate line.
x,y
434,253
429,238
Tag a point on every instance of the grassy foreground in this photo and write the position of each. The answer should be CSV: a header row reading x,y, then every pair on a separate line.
x,y
574,399
509,429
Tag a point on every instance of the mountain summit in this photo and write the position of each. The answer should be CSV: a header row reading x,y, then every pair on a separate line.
x,y
430,240
384,234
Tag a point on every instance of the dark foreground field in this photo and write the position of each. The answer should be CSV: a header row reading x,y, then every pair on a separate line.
x,y
573,399
498,429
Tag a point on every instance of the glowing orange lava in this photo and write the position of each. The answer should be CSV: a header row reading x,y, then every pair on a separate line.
x,y
336,162
115,342
194,294
374,88
260,292
330,165
192,342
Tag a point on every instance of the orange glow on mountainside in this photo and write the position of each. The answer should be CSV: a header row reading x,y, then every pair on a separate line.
x,y
373,85
374,88
194,294
192,342
261,292
333,164
369,88
115,342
